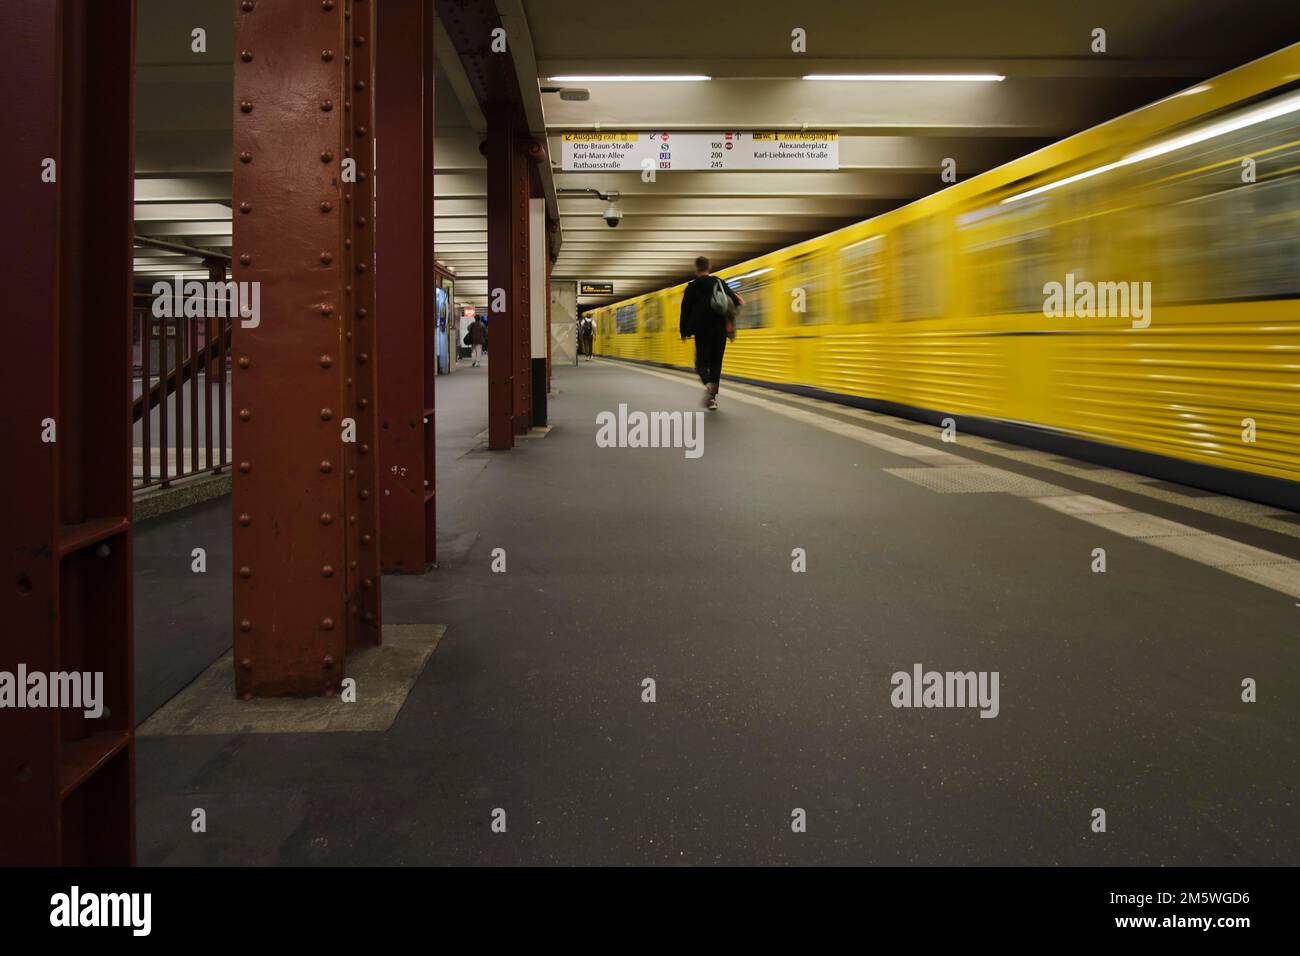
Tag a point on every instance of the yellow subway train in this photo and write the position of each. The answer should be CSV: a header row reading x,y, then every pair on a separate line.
x,y
1128,295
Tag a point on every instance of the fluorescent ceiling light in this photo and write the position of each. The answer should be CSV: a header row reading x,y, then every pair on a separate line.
x,y
910,77
1281,107
648,78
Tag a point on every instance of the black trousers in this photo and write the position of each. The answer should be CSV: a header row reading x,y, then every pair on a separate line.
x,y
709,347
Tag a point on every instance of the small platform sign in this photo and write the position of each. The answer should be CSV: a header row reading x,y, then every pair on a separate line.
x,y
595,288
636,152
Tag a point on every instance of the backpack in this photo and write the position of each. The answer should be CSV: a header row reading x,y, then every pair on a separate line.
x,y
721,303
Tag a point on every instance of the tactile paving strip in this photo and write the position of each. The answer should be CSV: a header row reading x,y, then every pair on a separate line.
x,y
1081,505
1283,576
977,480
1215,551
1135,524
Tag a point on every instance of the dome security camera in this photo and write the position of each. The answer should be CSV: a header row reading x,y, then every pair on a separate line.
x,y
612,215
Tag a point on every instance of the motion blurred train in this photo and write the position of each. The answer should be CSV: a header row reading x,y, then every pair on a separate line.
x,y
949,306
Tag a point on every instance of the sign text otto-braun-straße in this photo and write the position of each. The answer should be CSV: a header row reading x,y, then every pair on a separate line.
x,y
635,152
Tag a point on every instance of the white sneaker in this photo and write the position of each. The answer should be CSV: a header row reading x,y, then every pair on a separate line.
x,y
712,404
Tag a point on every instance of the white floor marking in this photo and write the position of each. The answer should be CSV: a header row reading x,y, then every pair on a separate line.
x,y
1264,517
1274,571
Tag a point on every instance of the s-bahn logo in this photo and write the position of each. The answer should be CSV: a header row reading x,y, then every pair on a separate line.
x,y
1098,300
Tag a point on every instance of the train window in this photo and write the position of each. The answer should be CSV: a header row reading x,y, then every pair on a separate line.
x,y
1008,254
653,316
808,285
1227,211
862,279
755,288
920,276
626,319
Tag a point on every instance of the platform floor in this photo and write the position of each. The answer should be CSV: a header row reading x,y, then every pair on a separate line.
x,y
1119,690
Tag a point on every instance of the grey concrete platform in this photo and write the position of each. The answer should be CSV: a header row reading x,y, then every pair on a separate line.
x,y
1118,690
381,677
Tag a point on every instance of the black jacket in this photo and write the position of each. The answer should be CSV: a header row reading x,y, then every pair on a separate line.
x,y
698,317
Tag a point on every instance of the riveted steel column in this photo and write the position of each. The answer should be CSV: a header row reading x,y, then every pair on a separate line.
x,y
66,779
520,291
405,283
288,502
503,164
359,322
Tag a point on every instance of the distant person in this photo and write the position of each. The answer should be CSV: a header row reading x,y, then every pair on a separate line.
x,y
586,336
707,316
476,336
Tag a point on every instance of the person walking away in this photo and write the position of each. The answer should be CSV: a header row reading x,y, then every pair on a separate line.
x,y
708,314
588,336
476,335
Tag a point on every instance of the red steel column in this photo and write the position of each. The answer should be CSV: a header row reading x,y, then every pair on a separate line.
x,y
67,789
290,396
406,283
521,293
503,162
361,392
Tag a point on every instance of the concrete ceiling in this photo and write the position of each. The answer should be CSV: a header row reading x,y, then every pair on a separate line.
x,y
894,135
184,114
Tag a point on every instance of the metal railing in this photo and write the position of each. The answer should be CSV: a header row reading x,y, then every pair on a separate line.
x,y
181,412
